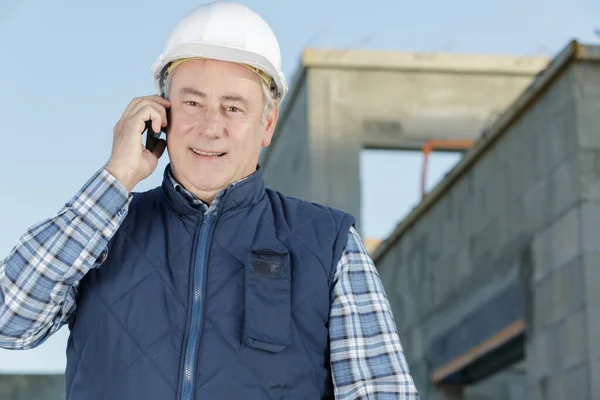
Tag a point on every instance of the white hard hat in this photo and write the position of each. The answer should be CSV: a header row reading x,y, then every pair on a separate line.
x,y
224,31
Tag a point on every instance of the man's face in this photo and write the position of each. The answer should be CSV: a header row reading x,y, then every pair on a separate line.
x,y
216,129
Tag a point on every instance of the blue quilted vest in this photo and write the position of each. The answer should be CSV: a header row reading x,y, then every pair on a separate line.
x,y
231,304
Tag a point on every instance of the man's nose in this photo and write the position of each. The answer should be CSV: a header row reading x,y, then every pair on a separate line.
x,y
210,123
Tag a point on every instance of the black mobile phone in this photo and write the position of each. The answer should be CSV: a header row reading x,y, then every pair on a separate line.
x,y
151,136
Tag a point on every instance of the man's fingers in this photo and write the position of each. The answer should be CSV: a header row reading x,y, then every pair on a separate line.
x,y
161,100
149,112
136,104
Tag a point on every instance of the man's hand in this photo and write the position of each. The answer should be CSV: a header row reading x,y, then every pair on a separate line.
x,y
130,162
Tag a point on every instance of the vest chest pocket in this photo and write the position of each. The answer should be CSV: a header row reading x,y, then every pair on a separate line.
x,y
267,321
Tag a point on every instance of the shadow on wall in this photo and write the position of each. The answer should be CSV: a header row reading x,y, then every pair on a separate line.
x,y
29,387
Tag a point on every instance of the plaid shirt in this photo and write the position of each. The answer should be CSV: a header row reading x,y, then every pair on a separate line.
x,y
39,279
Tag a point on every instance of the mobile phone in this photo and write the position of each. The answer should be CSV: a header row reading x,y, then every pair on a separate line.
x,y
151,136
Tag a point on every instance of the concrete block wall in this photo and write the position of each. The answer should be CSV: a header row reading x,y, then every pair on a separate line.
x,y
289,162
506,385
334,146
585,326
526,212
563,352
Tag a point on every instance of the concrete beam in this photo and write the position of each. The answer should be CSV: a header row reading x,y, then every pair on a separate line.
x,y
423,62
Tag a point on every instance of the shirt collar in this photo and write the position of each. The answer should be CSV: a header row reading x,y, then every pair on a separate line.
x,y
191,198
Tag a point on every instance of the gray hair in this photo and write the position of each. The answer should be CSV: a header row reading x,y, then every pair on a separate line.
x,y
268,95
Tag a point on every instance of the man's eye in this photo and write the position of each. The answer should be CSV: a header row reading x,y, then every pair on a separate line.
x,y
192,103
233,109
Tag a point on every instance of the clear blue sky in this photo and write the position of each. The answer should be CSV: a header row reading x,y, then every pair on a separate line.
x,y
68,69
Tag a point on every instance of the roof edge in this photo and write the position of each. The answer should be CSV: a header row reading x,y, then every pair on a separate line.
x,y
423,61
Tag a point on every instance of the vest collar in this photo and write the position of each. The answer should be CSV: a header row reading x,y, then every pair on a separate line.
x,y
241,194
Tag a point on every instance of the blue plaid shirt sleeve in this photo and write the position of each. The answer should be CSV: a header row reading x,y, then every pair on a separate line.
x,y
367,358
39,277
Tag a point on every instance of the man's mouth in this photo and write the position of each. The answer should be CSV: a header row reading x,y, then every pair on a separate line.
x,y
207,153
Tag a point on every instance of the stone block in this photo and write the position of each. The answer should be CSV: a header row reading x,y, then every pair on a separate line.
x,y
593,333
549,144
544,154
587,81
450,226
464,268
420,374
513,172
537,362
558,295
433,247
514,217
577,382
556,388
500,197
507,384
566,234
587,123
484,245
591,264
563,186
575,341
589,174
590,220
594,366
437,287
536,206
542,305
542,246
469,219
555,348
566,122
530,155
425,295
591,279
417,349
547,388
536,391
445,280
574,284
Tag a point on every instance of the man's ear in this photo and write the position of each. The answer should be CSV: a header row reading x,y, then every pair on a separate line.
x,y
270,123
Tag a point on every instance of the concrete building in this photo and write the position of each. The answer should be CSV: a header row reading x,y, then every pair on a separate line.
x,y
494,278
500,262
343,101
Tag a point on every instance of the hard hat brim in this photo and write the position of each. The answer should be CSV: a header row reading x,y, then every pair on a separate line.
x,y
217,52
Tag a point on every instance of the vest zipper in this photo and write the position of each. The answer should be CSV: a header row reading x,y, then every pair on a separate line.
x,y
197,306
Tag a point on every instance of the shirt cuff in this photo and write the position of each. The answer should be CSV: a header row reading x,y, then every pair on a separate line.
x,y
102,202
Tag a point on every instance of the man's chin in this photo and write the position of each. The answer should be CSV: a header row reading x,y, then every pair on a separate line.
x,y
208,182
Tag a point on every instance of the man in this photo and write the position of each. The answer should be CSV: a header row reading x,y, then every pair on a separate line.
x,y
210,286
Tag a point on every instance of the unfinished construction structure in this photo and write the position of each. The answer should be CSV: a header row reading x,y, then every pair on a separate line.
x,y
343,101
500,264
494,278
